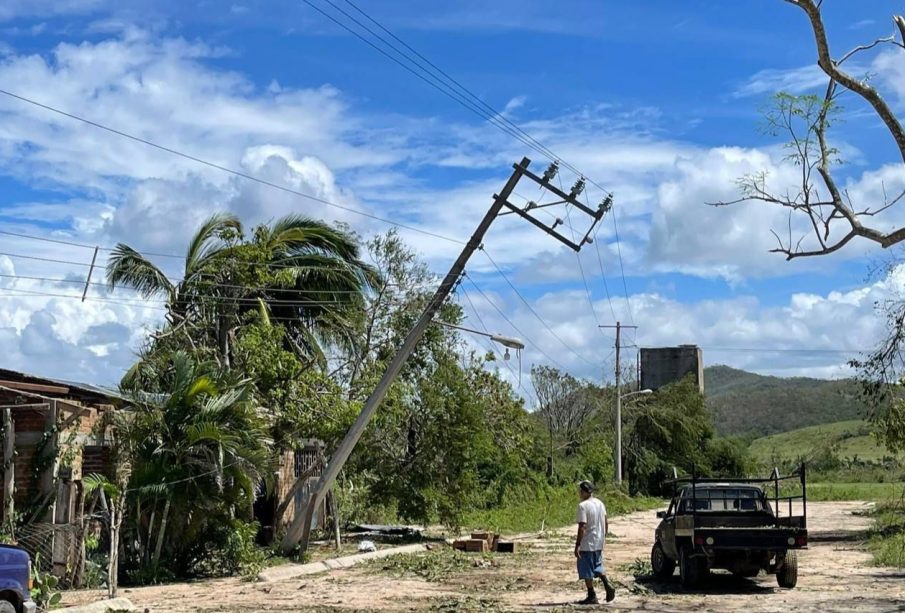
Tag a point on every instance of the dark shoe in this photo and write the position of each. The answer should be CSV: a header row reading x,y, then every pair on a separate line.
x,y
589,600
609,589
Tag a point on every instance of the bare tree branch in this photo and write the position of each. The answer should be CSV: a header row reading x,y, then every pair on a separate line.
x,y
807,120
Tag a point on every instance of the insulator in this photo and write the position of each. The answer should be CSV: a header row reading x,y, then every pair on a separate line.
x,y
551,171
607,203
578,187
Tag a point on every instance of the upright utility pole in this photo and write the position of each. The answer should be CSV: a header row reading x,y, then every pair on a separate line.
x,y
300,530
618,328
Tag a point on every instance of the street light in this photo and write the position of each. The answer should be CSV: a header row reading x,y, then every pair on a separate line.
x,y
506,341
619,400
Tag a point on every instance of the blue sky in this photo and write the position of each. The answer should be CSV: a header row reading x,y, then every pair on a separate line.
x,y
657,101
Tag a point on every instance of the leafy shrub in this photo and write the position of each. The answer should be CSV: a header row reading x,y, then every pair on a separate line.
x,y
230,549
44,588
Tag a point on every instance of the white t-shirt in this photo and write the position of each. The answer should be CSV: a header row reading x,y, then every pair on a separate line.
x,y
592,513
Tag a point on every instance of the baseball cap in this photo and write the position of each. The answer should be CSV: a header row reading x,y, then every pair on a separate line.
x,y
586,486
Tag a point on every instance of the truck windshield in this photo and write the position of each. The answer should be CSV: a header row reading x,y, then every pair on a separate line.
x,y
722,499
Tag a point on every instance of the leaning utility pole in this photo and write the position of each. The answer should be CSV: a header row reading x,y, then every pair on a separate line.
x,y
300,530
618,328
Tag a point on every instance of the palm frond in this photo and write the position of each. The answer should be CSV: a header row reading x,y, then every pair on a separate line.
x,y
202,385
205,243
129,268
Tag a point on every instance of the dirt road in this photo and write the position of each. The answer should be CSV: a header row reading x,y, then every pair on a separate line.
x,y
835,575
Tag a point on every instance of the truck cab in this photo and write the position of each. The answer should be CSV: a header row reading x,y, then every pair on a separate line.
x,y
15,581
732,525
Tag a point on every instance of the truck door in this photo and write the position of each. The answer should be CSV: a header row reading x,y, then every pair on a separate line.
x,y
668,532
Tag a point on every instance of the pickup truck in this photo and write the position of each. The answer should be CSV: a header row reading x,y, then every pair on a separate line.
x,y
15,581
730,524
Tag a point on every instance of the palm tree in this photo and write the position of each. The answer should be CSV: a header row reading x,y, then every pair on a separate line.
x,y
304,273
201,450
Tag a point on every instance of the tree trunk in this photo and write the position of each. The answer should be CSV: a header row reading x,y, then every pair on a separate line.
x,y
117,507
161,532
333,503
223,340
146,553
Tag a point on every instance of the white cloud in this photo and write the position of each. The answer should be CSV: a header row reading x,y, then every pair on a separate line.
x,y
310,140
801,337
799,80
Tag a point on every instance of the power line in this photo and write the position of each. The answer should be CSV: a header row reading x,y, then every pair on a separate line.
x,y
226,169
785,350
175,281
454,91
516,328
250,288
606,287
478,100
628,300
489,343
534,312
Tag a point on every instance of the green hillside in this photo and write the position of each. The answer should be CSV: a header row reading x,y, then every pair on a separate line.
x,y
745,403
849,439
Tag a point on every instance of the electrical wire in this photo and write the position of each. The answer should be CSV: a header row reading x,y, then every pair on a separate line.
x,y
249,288
606,287
454,89
540,350
226,169
516,376
534,312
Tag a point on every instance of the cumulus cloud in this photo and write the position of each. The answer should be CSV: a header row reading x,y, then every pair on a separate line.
x,y
311,140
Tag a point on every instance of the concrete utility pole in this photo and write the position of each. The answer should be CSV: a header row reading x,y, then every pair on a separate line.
x,y
300,530
618,328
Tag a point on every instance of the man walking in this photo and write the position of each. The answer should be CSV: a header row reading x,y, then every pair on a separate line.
x,y
589,542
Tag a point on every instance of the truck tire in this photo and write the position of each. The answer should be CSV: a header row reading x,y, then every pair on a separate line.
x,y
788,575
663,566
7,607
691,569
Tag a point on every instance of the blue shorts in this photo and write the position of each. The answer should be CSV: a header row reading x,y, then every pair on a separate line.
x,y
590,564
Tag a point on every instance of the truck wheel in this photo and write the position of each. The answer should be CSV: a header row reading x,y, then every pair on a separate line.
x,y
663,566
788,575
7,607
691,569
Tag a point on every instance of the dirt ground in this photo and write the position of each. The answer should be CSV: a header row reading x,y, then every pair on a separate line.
x,y
835,574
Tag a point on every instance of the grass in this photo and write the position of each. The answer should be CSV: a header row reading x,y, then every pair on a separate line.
x,y
887,541
852,437
872,492
554,508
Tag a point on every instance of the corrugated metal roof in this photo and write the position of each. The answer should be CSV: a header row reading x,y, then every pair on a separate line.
x,y
85,388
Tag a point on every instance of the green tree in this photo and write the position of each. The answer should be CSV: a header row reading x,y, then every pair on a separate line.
x,y
673,428
300,272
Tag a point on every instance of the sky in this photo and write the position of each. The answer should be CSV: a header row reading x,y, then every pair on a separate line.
x,y
659,103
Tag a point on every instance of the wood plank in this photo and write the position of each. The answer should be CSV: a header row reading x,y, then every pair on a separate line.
x,y
9,474
34,387
476,546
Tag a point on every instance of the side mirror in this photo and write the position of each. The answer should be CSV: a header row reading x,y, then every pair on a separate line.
x,y
661,514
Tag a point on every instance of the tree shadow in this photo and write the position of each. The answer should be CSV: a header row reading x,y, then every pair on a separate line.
x,y
838,536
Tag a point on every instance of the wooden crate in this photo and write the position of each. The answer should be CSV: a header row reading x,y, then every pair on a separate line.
x,y
477,546
459,545
505,546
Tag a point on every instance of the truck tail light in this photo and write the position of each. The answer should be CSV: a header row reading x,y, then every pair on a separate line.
x,y
699,540
802,540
